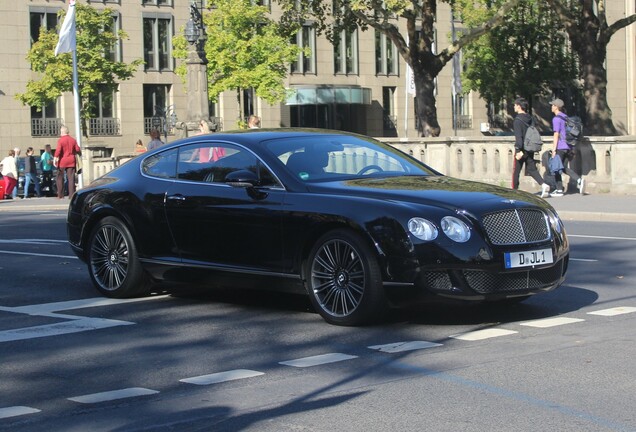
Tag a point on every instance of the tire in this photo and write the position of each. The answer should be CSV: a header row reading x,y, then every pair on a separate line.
x,y
113,264
343,280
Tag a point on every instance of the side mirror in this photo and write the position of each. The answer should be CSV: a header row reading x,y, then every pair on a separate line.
x,y
241,179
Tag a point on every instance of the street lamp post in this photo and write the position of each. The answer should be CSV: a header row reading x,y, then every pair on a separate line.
x,y
197,68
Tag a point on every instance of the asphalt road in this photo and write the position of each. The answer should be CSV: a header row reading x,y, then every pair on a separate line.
x,y
261,361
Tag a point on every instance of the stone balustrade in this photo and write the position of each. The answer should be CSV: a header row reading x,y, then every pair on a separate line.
x,y
608,163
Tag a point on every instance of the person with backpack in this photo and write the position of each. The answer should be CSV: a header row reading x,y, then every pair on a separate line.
x,y
524,153
562,149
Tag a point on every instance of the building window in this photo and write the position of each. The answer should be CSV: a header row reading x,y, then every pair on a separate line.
x,y
389,111
156,100
102,111
114,54
157,2
158,43
305,38
345,52
41,17
386,55
44,121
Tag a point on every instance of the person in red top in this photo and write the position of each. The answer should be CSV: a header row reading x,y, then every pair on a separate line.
x,y
64,160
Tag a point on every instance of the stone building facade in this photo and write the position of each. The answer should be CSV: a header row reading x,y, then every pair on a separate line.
x,y
360,87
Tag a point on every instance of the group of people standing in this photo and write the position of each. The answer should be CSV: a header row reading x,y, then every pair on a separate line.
x,y
64,160
559,149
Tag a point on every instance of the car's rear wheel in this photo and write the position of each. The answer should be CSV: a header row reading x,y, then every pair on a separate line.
x,y
344,281
113,264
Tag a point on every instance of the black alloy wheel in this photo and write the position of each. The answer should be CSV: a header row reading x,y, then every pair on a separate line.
x,y
112,261
344,281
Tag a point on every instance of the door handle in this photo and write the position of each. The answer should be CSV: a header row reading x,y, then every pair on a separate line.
x,y
177,197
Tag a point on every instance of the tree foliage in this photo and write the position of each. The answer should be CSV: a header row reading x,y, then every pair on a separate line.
x,y
527,55
423,52
590,33
244,49
97,70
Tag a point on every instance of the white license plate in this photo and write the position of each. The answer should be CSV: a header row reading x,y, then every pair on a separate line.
x,y
528,258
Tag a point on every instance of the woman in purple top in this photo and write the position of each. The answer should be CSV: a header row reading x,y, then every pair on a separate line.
x,y
561,148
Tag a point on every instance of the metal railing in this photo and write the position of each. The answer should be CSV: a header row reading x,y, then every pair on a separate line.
x,y
104,126
46,127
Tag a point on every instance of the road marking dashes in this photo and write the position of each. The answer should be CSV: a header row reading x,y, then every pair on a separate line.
x,y
15,411
551,322
113,395
482,334
220,377
397,347
318,360
614,311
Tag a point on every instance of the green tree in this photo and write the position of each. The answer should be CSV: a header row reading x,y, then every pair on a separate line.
x,y
97,69
590,33
527,55
244,49
422,52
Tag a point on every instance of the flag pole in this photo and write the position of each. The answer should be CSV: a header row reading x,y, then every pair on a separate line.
x,y
78,131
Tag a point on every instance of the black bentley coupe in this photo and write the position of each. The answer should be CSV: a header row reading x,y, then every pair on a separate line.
x,y
344,217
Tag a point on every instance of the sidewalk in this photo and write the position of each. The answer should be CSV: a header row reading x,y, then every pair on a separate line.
x,y
595,207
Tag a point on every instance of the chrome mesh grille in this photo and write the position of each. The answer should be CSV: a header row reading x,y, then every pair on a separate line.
x,y
488,283
516,226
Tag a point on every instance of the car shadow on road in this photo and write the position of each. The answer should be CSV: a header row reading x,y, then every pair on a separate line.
x,y
564,300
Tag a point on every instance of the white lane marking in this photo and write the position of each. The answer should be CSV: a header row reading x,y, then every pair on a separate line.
x,y
614,311
38,254
482,334
318,360
47,308
33,241
220,377
601,237
397,347
76,326
583,259
15,411
113,395
551,322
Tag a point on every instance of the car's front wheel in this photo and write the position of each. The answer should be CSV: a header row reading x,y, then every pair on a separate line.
x,y
344,281
113,264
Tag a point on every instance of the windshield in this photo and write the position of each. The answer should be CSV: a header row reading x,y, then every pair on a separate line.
x,y
335,157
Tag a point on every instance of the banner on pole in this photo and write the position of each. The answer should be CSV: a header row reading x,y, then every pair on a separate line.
x,y
67,42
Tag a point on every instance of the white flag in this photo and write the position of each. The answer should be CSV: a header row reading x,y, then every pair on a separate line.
x,y
410,81
67,31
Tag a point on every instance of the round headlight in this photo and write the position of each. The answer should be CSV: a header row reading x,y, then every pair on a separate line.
x,y
455,229
422,229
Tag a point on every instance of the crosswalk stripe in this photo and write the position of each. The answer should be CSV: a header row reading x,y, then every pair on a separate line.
x,y
220,377
15,411
614,311
318,360
113,395
482,334
397,347
551,322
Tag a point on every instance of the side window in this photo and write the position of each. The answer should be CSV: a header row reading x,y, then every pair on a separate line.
x,y
161,165
211,162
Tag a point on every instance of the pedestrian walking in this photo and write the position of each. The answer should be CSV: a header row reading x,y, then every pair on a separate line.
x,y
9,170
64,160
520,125
31,174
17,151
562,149
140,147
46,159
155,140
254,122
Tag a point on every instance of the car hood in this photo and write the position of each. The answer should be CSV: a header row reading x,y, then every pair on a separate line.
x,y
439,191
